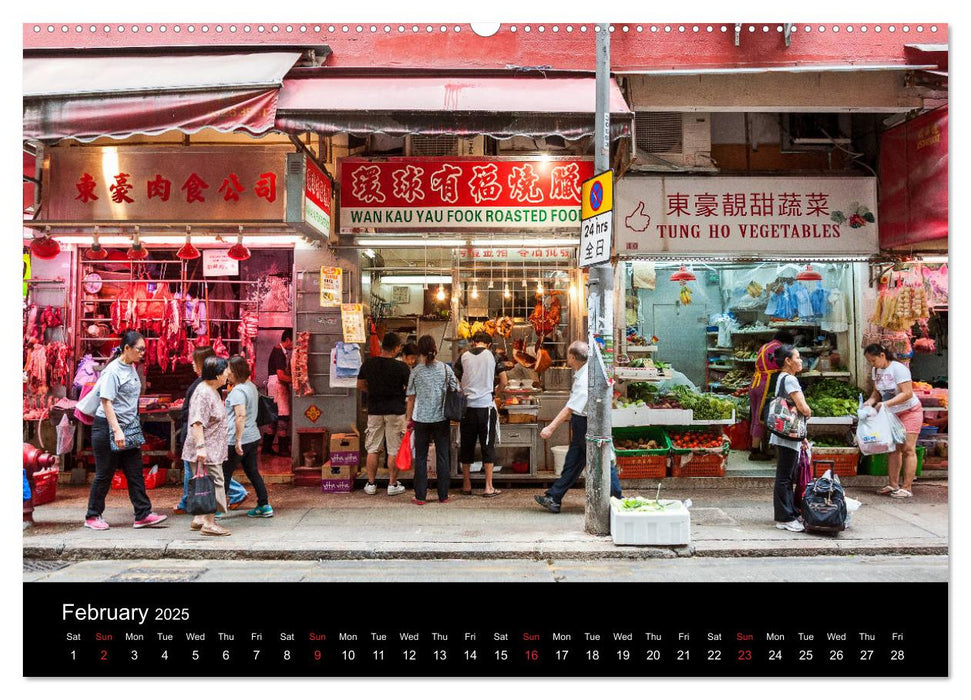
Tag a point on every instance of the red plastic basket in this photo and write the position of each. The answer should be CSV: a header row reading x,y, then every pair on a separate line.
x,y
643,467
699,464
152,481
45,486
845,463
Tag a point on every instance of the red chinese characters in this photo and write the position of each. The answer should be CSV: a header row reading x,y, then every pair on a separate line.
x,y
159,187
790,204
678,204
86,187
706,205
231,188
817,204
761,204
733,204
193,186
121,188
407,183
266,187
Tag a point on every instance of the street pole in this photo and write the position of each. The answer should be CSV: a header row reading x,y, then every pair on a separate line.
x,y
600,289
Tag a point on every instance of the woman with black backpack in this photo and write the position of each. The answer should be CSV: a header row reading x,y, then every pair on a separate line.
x,y
787,450
425,414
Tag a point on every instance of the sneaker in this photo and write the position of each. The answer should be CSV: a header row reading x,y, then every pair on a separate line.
x,y
150,520
791,526
548,503
370,489
901,493
97,523
237,504
445,500
261,512
178,511
395,488
417,502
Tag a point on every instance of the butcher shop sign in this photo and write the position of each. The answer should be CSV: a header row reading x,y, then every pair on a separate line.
x,y
746,216
461,194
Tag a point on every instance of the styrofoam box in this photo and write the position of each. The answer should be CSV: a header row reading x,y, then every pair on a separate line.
x,y
641,415
668,527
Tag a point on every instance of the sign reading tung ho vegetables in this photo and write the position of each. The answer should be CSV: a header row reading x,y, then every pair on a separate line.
x,y
459,193
746,216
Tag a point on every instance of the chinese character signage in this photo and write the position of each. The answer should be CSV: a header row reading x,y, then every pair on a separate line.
x,y
457,193
503,255
352,321
330,286
217,263
308,195
746,216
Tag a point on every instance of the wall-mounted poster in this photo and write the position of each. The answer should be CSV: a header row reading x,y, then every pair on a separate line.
x,y
352,318
330,286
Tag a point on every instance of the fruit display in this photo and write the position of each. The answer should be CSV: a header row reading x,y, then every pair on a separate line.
x,y
830,441
685,296
737,379
754,290
697,440
639,444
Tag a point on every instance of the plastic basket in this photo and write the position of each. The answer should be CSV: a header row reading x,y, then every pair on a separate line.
x,y
845,460
876,465
152,479
45,486
643,464
698,464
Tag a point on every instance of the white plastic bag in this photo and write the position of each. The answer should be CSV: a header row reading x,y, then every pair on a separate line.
x,y
65,435
852,505
875,432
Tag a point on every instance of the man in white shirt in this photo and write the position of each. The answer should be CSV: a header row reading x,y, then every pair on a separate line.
x,y
576,411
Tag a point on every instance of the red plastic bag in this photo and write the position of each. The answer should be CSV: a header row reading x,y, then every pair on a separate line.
x,y
404,459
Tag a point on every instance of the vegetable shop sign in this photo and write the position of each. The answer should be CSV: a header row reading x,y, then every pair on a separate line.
x,y
746,216
461,194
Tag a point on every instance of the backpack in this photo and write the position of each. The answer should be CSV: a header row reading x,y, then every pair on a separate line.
x,y
781,417
824,505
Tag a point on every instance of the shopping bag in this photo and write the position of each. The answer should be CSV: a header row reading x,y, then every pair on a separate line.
x,y
201,495
824,505
875,431
405,453
804,470
65,435
266,411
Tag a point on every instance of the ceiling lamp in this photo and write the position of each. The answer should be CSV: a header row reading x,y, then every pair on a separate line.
x,y
506,293
137,251
45,248
809,275
95,252
239,251
475,290
440,295
683,276
188,251
539,286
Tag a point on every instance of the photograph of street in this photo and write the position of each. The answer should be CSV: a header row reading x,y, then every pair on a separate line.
x,y
519,302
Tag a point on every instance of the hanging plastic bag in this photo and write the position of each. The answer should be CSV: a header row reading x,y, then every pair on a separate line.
x,y
804,470
65,435
405,453
875,432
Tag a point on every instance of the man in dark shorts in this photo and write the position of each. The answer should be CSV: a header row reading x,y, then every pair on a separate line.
x,y
479,370
278,384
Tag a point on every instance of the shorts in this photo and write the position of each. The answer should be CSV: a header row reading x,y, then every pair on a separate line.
x,y
478,425
912,418
384,430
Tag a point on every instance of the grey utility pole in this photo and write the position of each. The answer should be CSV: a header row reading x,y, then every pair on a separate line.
x,y
600,290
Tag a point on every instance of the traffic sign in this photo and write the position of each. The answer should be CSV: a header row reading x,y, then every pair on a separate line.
x,y
597,219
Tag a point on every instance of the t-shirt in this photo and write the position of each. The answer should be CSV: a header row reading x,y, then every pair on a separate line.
x,y
387,380
477,370
244,394
787,385
277,361
427,385
886,381
121,385
578,392
207,408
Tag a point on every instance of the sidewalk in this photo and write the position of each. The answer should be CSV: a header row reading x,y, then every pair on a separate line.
x,y
725,522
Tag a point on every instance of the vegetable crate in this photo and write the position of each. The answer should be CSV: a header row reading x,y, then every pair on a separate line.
x,y
876,465
642,463
699,461
845,459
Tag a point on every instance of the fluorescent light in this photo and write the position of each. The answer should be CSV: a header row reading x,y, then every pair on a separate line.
x,y
934,259
464,243
175,240
410,242
414,279
369,253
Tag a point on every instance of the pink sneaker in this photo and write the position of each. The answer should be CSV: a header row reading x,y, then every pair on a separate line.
x,y
96,523
150,520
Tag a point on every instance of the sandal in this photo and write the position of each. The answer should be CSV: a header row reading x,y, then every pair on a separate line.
x,y
214,530
901,493
495,493
886,490
466,493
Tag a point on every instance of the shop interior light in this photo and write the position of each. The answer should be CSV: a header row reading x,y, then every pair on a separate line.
x,y
506,293
683,275
188,251
463,243
440,295
410,242
45,248
369,253
424,280
573,290
539,286
96,251
239,251
934,259
475,290
809,275
137,250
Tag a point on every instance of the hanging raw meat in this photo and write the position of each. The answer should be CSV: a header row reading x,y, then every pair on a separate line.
x,y
538,363
545,320
219,348
299,365
36,369
504,326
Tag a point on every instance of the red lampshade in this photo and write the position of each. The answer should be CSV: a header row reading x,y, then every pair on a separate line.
x,y
809,274
137,252
45,248
239,251
95,252
683,275
188,251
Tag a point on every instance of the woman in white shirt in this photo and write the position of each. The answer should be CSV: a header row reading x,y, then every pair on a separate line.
x,y
893,388
787,451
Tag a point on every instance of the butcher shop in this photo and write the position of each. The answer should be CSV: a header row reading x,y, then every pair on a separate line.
x,y
191,247
452,246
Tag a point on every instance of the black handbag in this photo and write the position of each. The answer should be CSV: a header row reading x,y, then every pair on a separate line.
x,y
134,437
266,411
824,505
201,495
454,401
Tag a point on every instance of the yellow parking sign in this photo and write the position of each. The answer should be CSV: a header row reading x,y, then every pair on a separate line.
x,y
597,195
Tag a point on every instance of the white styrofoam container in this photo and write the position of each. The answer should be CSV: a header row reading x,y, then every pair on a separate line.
x,y
668,527
641,415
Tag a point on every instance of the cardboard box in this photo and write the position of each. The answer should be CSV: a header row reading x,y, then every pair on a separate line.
x,y
337,478
345,449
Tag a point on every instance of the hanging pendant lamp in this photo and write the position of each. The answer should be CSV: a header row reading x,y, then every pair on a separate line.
x,y
809,275
683,275
95,252
239,251
188,251
45,248
137,251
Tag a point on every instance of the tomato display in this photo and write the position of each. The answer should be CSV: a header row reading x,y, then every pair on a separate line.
x,y
697,440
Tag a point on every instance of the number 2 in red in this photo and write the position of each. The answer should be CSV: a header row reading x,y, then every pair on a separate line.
x,y
104,654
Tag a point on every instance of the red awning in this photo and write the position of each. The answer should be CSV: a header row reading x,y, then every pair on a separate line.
x,y
91,96
499,107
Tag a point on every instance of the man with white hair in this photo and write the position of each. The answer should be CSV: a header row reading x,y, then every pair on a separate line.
x,y
576,411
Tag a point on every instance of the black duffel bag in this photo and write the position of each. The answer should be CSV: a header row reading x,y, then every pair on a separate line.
x,y
267,411
824,505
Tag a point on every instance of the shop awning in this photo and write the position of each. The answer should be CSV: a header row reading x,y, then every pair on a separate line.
x,y
500,107
86,97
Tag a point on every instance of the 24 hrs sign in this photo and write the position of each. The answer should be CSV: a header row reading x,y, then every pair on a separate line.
x,y
596,226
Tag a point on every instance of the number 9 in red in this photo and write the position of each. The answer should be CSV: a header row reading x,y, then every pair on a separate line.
x,y
316,654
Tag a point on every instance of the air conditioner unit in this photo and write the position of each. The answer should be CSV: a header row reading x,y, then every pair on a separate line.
x,y
444,145
667,141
